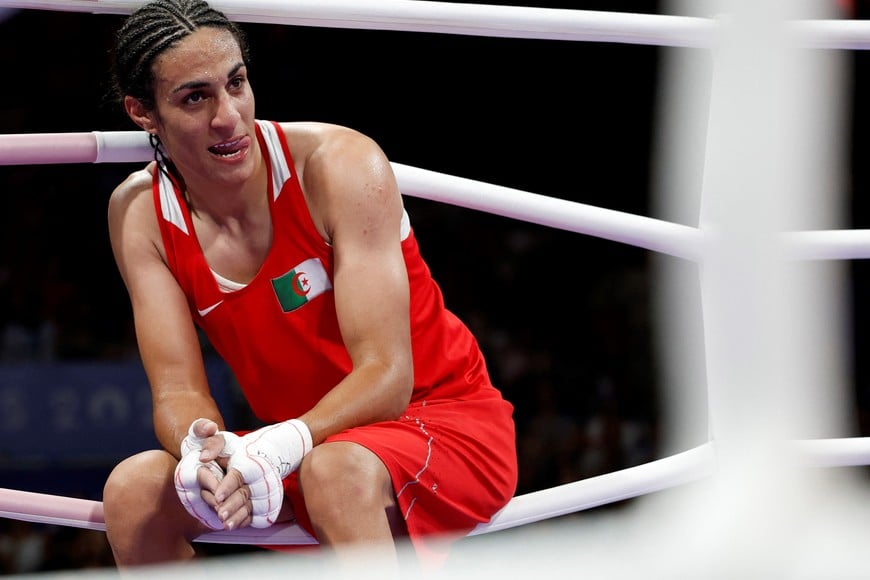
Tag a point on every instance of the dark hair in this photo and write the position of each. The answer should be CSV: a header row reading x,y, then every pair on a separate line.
x,y
150,30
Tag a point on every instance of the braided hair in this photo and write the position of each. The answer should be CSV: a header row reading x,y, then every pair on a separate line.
x,y
151,29
148,31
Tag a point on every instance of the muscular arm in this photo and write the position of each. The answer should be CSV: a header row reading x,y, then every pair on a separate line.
x,y
168,343
355,201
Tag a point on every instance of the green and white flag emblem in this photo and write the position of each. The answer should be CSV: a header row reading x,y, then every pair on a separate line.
x,y
301,284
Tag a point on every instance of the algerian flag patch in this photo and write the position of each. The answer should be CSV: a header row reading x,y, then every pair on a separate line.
x,y
305,282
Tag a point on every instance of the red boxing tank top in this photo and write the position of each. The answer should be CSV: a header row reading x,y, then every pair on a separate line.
x,y
279,334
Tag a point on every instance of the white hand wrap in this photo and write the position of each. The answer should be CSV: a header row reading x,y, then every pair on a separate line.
x,y
187,485
264,457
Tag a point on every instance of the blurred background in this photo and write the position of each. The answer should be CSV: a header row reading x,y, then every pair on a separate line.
x,y
571,120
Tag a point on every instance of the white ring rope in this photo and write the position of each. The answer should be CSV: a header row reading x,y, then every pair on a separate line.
x,y
679,469
639,231
437,17
485,20
569,498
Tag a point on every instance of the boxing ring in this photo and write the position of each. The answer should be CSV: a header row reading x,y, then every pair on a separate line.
x,y
725,244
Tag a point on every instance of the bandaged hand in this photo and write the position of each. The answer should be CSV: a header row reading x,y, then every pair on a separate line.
x,y
265,457
187,476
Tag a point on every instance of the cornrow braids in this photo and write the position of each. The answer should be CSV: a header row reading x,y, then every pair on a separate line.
x,y
151,29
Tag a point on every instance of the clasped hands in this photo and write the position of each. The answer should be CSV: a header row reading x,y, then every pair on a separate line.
x,y
249,489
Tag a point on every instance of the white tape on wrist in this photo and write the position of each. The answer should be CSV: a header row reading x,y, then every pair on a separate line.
x,y
187,480
192,442
190,492
265,457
